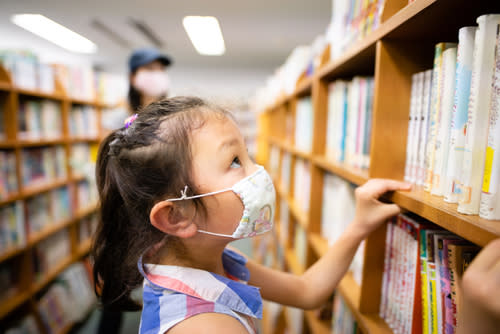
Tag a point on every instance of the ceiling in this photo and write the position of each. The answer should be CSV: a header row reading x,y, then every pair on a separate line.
x,y
259,34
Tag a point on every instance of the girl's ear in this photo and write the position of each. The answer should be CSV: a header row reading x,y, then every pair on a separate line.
x,y
168,218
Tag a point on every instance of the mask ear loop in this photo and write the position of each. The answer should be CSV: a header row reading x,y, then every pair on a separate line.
x,y
185,197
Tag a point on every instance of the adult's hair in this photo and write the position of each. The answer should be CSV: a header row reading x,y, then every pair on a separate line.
x,y
136,167
134,98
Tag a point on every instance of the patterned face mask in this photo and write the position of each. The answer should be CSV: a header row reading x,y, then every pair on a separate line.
x,y
257,193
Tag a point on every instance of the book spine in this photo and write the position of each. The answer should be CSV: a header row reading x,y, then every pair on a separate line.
x,y
478,113
411,128
426,98
459,117
423,280
443,133
489,207
434,114
417,126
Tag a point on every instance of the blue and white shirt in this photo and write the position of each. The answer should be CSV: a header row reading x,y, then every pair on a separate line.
x,y
173,293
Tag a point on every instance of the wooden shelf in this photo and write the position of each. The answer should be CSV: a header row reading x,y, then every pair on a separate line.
x,y
8,144
41,142
48,231
84,247
318,243
36,93
53,273
315,325
11,252
304,87
10,198
9,304
5,86
354,175
297,212
293,263
82,213
83,139
83,102
478,230
41,188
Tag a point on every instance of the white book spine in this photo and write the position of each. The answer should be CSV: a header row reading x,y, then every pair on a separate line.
x,y
417,125
443,135
490,201
411,121
478,114
426,98
459,117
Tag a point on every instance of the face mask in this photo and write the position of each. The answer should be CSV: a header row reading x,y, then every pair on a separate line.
x,y
256,191
151,83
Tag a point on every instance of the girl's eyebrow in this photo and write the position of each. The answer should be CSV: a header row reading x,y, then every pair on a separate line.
x,y
228,143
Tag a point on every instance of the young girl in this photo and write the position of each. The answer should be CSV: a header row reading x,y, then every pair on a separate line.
x,y
176,185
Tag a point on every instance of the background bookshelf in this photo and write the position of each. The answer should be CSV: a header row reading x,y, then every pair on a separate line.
x,y
401,45
47,199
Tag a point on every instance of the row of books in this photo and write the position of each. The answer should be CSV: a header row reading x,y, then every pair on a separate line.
x,y
302,184
350,106
8,176
39,119
87,226
83,121
86,194
27,72
79,82
26,325
422,269
300,244
9,280
50,252
43,165
343,320
352,20
284,219
12,231
453,127
47,209
304,122
337,212
286,171
68,300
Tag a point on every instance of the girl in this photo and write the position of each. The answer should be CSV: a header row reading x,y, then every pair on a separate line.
x,y
176,185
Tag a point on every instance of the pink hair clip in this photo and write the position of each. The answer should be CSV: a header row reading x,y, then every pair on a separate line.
x,y
130,120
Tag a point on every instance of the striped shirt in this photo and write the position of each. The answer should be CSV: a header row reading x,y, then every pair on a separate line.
x,y
173,293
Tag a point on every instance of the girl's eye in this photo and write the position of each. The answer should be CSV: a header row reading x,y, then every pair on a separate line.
x,y
236,163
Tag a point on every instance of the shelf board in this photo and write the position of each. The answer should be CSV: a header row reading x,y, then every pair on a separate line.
x,y
37,93
48,231
357,176
8,143
293,263
304,87
10,198
318,243
84,247
86,211
82,101
46,186
473,228
35,142
11,252
11,303
83,139
53,273
5,86
315,325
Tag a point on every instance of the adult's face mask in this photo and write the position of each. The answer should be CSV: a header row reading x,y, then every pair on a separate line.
x,y
152,83
257,193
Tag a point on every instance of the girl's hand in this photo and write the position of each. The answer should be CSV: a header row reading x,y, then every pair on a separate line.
x,y
370,212
480,305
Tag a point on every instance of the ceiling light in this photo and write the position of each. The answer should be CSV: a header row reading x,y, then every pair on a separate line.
x,y
54,32
205,34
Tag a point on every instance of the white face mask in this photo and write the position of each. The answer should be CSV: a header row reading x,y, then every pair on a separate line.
x,y
257,193
152,83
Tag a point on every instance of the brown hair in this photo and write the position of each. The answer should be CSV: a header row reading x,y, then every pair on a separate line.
x,y
137,167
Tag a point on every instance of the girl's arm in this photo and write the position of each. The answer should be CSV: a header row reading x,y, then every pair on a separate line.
x,y
312,288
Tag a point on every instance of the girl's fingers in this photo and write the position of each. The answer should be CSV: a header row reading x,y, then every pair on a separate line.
x,y
487,258
379,187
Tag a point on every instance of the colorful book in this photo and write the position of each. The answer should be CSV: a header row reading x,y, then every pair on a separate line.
x,y
459,116
478,113
489,207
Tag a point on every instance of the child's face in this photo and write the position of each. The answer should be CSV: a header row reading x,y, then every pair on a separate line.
x,y
220,159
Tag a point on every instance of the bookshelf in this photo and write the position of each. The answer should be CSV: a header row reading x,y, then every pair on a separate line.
x,y
69,214
402,44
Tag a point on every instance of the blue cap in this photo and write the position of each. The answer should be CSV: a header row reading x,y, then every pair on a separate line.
x,y
145,56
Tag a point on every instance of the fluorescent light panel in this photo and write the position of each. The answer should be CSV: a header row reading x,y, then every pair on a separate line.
x,y
205,34
54,32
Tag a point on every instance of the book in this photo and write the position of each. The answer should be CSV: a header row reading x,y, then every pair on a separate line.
x,y
425,105
342,320
42,165
336,121
304,120
435,112
8,176
302,184
12,230
284,220
489,206
459,115
444,120
478,113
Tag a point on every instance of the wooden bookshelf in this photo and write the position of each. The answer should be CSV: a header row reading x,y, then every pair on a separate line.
x,y
22,255
403,44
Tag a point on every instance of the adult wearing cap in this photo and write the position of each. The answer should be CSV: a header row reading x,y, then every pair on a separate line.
x,y
149,81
